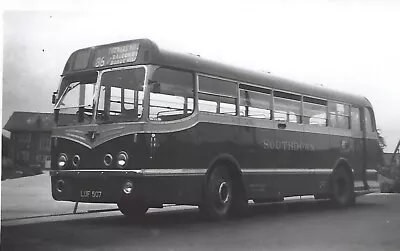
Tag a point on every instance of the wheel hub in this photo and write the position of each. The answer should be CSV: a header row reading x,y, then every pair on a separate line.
x,y
223,192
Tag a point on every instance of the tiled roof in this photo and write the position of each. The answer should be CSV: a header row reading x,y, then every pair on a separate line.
x,y
35,121
32,121
29,121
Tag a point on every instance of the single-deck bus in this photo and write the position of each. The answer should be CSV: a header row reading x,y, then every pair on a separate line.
x,y
141,126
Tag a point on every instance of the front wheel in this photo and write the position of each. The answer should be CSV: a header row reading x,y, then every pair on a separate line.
x,y
218,194
342,188
132,209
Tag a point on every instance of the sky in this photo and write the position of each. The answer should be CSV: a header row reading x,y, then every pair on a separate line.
x,y
352,46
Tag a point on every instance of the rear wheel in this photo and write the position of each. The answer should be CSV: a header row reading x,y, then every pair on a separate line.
x,y
132,209
218,194
342,188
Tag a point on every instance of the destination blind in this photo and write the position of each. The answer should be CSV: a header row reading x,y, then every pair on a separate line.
x,y
115,55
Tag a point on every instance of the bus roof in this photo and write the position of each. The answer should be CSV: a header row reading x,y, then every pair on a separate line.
x,y
151,53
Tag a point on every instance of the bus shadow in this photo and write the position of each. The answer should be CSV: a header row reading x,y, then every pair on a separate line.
x,y
96,232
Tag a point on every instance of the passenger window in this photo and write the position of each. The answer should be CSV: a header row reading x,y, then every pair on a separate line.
x,y
217,86
207,105
287,107
170,93
339,115
255,104
355,119
217,96
226,108
314,111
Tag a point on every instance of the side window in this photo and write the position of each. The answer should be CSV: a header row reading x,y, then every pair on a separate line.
x,y
339,115
355,119
227,108
287,107
314,111
207,105
171,95
369,122
255,104
217,95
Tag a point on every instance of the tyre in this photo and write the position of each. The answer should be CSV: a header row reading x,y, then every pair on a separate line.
x,y
218,195
240,202
342,188
132,209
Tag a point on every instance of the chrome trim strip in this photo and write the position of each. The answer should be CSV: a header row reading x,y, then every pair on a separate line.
x,y
157,172
142,172
286,171
57,172
373,171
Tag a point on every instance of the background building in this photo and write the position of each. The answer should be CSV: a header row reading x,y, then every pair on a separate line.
x,y
30,138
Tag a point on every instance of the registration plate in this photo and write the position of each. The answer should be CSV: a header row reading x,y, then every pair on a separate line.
x,y
88,194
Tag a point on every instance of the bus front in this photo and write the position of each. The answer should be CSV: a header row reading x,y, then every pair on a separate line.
x,y
110,104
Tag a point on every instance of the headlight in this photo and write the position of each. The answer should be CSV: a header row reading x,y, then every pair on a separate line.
x,y
62,161
122,159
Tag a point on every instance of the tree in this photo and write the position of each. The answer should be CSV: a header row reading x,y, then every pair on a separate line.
x,y
381,139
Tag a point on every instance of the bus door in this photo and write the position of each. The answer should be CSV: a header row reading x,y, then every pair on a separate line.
x,y
370,144
358,134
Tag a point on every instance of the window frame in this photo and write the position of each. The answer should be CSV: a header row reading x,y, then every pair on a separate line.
x,y
234,97
249,88
292,96
147,93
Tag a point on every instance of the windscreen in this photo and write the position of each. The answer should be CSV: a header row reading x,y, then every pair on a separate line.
x,y
77,99
121,96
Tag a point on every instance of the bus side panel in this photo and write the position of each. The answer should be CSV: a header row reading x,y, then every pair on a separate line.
x,y
292,153
321,158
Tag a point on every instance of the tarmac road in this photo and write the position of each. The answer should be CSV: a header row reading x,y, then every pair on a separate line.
x,y
373,224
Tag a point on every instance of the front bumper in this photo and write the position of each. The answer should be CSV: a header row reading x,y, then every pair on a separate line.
x,y
154,187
